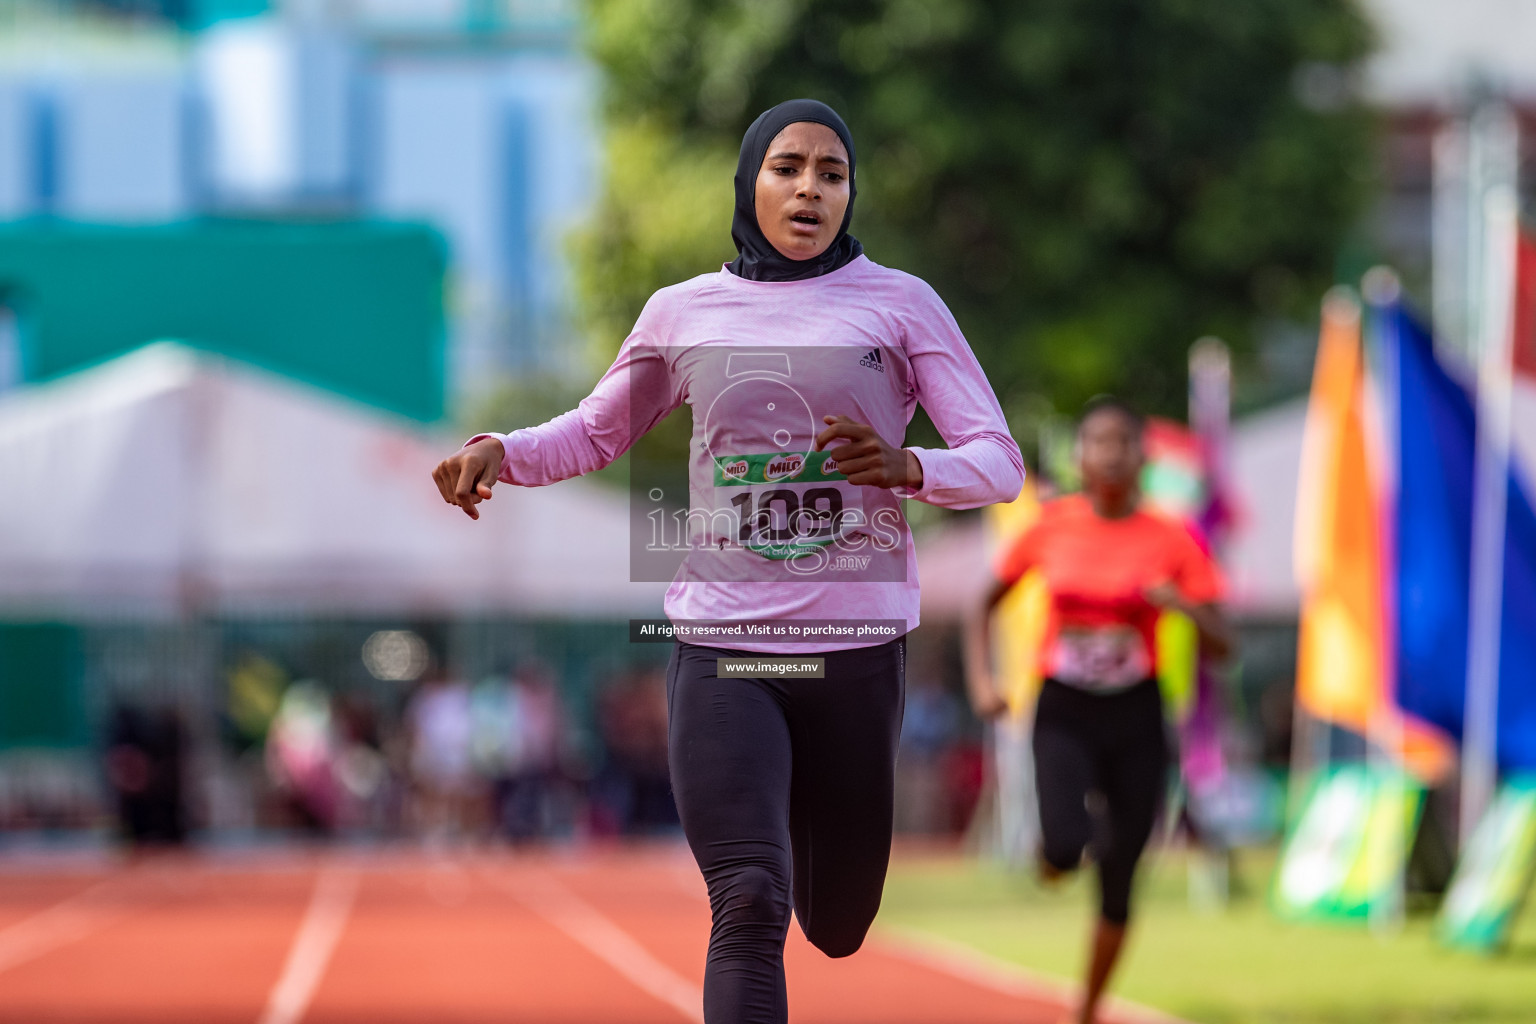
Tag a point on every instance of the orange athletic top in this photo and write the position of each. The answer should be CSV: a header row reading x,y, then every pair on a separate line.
x,y
1101,630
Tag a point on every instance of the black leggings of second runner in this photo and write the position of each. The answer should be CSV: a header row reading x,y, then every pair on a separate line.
x,y
785,791
1114,744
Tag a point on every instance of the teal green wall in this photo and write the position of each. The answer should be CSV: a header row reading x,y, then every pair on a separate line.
x,y
356,307
42,701
204,13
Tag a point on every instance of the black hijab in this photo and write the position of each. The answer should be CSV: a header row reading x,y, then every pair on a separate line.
x,y
759,260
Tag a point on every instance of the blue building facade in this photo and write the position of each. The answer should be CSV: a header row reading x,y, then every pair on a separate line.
x,y
477,119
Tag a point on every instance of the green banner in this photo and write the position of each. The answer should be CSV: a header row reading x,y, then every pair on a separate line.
x,y
1344,856
355,307
776,467
1494,874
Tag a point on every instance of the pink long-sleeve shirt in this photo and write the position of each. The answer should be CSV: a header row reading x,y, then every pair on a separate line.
x,y
775,534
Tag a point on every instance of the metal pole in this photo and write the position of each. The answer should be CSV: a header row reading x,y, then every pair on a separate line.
x,y
1384,733
1489,506
1493,144
1210,418
1210,408
1451,242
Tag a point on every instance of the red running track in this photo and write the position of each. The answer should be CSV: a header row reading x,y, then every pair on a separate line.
x,y
347,938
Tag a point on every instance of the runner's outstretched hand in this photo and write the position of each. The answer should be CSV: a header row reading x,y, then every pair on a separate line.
x,y
866,459
466,477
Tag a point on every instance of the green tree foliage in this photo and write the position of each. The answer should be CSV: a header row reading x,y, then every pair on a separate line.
x,y
1089,184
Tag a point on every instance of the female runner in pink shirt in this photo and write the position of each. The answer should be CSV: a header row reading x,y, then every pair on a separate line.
x,y
802,362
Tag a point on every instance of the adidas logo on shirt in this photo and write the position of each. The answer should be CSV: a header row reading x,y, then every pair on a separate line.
x,y
873,361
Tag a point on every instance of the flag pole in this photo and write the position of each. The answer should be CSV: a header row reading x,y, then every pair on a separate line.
x,y
1210,410
1452,242
1493,147
1381,289
1210,418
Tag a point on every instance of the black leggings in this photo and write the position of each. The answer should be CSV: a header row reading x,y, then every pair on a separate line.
x,y
784,786
1111,744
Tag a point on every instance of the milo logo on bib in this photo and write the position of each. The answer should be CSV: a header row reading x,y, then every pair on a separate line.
x,y
784,467
776,467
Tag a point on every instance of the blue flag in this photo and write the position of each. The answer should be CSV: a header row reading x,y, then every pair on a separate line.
x,y
1436,426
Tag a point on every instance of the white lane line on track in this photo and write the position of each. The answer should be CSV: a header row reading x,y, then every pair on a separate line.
x,y
316,940
69,920
985,971
584,923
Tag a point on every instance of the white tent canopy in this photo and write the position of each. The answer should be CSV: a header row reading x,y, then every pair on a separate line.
x,y
169,480
1265,465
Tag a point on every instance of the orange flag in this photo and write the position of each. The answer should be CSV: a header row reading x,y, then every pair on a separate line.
x,y
1342,665
1340,672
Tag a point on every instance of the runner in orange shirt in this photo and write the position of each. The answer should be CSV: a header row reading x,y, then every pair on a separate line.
x,y
1111,568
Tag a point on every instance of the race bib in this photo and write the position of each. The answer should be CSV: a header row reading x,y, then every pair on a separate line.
x,y
774,517
1107,658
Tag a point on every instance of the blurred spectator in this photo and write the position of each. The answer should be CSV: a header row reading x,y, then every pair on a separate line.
x,y
255,691
930,725
536,798
145,760
964,772
301,756
444,786
632,793
361,767
49,789
515,740
496,742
